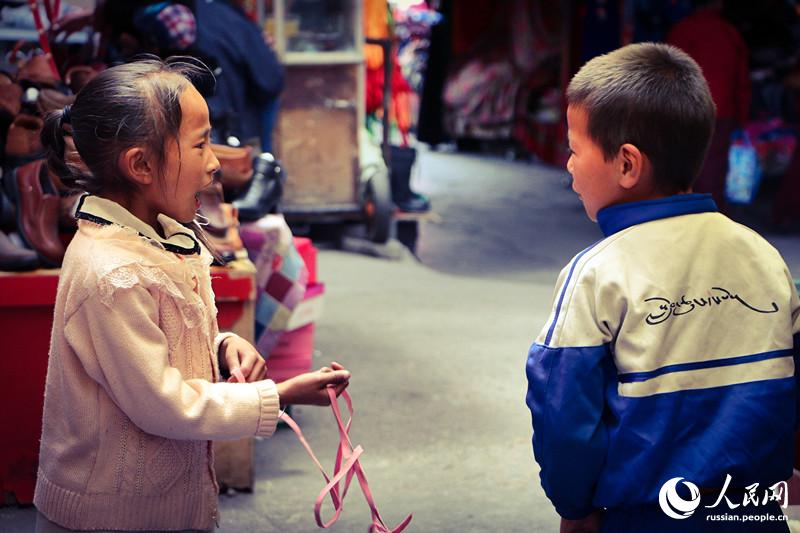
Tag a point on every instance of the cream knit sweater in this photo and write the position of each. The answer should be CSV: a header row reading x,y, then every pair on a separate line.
x,y
131,399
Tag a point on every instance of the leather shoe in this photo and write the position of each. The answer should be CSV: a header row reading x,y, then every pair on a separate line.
x,y
8,213
78,76
14,258
230,241
10,98
52,100
265,191
23,138
211,199
236,165
37,71
38,212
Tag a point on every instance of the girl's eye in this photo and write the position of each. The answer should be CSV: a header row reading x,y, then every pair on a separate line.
x,y
201,145
569,151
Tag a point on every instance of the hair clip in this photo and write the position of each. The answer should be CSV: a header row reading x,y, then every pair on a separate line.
x,y
65,116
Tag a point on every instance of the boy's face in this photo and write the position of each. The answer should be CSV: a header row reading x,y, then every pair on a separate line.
x,y
595,180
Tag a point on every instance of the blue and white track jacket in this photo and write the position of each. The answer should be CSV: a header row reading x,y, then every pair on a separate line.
x,y
670,351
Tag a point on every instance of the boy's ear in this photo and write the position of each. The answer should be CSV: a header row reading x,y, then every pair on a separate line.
x,y
632,166
136,165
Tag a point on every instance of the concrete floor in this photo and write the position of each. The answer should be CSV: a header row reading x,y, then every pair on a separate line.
x,y
437,347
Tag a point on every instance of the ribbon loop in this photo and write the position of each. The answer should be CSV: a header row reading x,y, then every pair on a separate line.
x,y
351,467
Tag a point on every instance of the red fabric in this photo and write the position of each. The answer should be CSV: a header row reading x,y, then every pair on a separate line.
x,y
471,21
722,54
399,106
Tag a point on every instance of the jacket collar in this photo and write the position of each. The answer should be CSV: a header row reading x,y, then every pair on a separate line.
x,y
178,238
618,217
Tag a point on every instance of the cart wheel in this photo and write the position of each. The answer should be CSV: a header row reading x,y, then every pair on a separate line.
x,y
378,207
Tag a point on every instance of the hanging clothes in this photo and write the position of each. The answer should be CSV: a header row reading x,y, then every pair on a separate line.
x,y
378,24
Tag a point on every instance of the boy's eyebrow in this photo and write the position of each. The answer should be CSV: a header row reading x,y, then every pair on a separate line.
x,y
205,133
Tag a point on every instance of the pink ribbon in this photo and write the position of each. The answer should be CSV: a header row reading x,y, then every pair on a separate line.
x,y
351,467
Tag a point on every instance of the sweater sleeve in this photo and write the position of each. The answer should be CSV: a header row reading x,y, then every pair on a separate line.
x,y
220,338
124,350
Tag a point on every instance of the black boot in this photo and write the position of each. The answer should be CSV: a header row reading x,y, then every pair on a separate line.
x,y
402,195
265,190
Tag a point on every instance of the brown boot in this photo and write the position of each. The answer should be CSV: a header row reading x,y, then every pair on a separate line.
x,y
78,76
23,136
37,213
37,71
236,165
52,100
10,98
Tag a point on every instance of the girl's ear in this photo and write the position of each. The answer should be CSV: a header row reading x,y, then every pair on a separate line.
x,y
632,166
136,166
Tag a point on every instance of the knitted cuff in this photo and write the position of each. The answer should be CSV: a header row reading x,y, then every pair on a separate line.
x,y
270,404
219,338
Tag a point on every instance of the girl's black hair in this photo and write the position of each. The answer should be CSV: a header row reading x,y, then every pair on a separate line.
x,y
134,104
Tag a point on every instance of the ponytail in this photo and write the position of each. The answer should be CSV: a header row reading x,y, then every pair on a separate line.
x,y
62,158
52,137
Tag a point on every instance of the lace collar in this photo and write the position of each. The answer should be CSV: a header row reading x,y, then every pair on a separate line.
x,y
178,238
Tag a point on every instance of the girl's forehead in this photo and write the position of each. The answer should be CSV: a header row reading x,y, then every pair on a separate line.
x,y
194,109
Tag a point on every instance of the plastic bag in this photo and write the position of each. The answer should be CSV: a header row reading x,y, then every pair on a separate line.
x,y
774,142
744,171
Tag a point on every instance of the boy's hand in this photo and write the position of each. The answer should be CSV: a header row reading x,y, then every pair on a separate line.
x,y
241,360
590,524
311,388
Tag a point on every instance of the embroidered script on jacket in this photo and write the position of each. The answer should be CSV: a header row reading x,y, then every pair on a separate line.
x,y
716,297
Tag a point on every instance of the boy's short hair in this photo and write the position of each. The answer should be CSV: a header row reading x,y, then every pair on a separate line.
x,y
655,97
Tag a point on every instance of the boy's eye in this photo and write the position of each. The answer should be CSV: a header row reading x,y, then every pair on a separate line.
x,y
569,151
201,145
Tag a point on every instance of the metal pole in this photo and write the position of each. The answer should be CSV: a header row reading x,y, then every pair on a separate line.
x,y
386,44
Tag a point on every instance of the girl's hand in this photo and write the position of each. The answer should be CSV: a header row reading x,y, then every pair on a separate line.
x,y
311,388
237,355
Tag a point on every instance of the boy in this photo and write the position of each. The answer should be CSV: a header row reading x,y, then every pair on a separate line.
x,y
669,350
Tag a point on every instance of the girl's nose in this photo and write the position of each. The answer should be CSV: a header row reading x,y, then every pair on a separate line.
x,y
213,165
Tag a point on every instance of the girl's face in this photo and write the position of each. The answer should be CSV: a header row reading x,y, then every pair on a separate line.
x,y
190,163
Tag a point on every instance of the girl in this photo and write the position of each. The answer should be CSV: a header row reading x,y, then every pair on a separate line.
x,y
132,398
